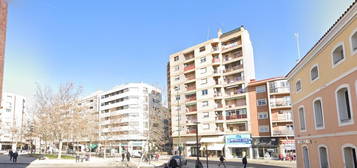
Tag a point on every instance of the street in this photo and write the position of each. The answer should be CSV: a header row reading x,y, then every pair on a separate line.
x,y
214,164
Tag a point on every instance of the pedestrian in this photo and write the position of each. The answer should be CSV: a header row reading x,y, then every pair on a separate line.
x,y
244,161
14,157
122,156
77,157
128,156
221,161
11,154
173,163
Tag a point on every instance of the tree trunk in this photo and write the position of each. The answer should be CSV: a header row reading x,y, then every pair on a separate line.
x,y
60,149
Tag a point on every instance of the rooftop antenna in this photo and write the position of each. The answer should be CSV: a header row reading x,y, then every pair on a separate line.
x,y
297,46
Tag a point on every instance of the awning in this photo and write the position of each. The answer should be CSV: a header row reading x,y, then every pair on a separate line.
x,y
216,147
212,139
190,142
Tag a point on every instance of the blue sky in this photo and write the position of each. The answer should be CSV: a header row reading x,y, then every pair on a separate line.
x,y
100,44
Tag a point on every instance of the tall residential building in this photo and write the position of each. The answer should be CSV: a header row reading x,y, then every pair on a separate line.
x,y
207,83
131,116
271,118
324,97
13,117
3,21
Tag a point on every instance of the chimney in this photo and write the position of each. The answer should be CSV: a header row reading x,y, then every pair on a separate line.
x,y
219,33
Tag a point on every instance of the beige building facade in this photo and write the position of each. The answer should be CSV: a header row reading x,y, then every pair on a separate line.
x,y
207,89
324,95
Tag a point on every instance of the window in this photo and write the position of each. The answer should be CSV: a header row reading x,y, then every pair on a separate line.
x,y
302,119
177,97
344,105
261,102
8,110
305,152
177,88
205,114
298,86
177,68
176,58
314,73
202,49
204,103
203,81
260,89
353,41
350,159
203,59
205,126
177,78
263,128
203,70
204,92
323,157
263,115
319,119
337,55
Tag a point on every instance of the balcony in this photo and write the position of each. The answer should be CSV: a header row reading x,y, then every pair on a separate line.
x,y
192,77
189,67
215,48
231,45
231,69
219,117
233,80
282,118
217,95
280,90
191,131
235,92
191,121
219,129
236,117
192,98
190,88
215,60
280,103
283,132
191,109
234,128
218,105
189,56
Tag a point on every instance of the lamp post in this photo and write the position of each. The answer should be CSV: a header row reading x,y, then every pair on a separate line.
x,y
198,148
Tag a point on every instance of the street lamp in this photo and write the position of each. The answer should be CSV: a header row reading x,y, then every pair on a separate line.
x,y
198,162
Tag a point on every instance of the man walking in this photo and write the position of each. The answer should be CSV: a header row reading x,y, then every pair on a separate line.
x,y
128,156
245,162
221,161
14,157
122,156
11,154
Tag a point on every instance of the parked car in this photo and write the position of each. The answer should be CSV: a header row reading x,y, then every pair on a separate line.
x,y
136,154
177,158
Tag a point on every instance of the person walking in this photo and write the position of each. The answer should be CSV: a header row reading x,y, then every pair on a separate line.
x,y
221,161
77,157
244,161
128,156
173,163
122,156
11,154
14,157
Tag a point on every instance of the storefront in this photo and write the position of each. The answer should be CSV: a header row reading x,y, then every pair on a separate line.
x,y
212,146
287,147
265,148
238,146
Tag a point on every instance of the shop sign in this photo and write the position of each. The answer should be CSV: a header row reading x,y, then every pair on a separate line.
x,y
239,139
265,142
137,143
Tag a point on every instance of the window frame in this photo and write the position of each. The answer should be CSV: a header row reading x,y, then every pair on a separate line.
x,y
340,124
344,54
178,58
266,103
203,104
204,91
303,108
318,151
308,152
267,116
203,72
204,116
203,59
266,126
343,151
261,86
351,46
318,73
322,112
297,91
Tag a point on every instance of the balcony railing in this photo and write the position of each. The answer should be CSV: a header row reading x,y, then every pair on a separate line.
x,y
237,79
219,105
280,90
280,103
190,77
215,60
190,88
193,131
283,132
220,117
214,48
217,94
190,110
234,117
219,129
189,67
233,68
191,98
188,57
235,92
237,104
283,117
231,45
191,121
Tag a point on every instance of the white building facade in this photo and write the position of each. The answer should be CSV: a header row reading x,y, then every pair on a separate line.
x,y
13,117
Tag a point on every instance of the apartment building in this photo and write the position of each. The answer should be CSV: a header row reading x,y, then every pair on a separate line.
x,y
130,118
207,89
3,21
271,118
324,95
13,117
